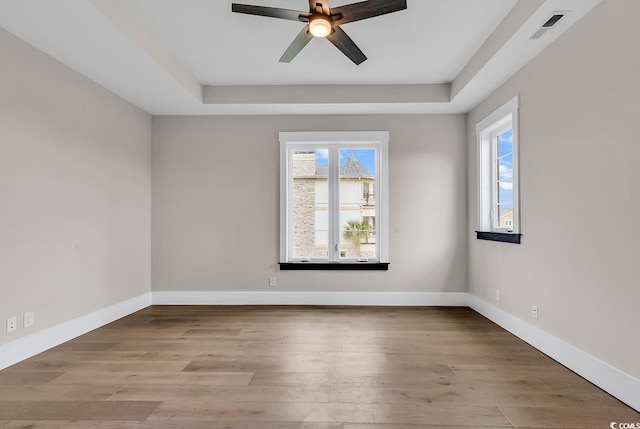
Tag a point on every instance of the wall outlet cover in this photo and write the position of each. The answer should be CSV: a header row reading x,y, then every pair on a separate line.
x,y
28,319
12,324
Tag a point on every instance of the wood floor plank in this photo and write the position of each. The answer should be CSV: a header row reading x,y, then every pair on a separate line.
x,y
211,332
90,392
401,381
481,371
27,378
347,367
332,412
419,426
259,335
464,396
95,367
88,356
174,345
75,346
406,339
106,334
76,410
298,393
292,378
158,378
434,326
86,424
407,347
460,360
225,346
496,349
567,382
568,417
270,356
431,347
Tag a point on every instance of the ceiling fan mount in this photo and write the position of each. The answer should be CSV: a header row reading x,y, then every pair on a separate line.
x,y
324,22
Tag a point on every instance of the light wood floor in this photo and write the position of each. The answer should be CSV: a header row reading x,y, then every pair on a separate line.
x,y
300,367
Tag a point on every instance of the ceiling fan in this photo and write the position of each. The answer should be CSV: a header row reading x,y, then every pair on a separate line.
x,y
323,21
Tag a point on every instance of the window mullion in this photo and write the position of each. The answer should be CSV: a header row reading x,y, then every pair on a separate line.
x,y
495,209
379,195
334,203
289,197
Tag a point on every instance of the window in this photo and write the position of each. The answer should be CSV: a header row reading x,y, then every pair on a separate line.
x,y
498,203
328,213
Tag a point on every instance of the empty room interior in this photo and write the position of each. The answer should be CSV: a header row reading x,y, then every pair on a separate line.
x,y
212,217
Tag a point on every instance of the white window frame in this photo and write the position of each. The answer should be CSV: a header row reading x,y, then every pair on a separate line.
x,y
378,140
487,132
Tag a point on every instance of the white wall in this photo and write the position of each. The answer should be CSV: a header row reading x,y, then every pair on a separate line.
x,y
215,204
74,192
579,154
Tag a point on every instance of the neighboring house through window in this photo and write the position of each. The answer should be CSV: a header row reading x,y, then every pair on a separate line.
x,y
333,197
498,190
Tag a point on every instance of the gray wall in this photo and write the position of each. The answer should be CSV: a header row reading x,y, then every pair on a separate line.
x,y
216,204
579,154
74,192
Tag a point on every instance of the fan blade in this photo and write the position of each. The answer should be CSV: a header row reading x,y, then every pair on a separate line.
x,y
271,12
343,42
296,46
366,9
323,4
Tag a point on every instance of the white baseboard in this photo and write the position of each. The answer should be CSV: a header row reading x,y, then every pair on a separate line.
x,y
617,383
26,347
311,298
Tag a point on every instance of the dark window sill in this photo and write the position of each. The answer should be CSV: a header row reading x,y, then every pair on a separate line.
x,y
335,266
499,236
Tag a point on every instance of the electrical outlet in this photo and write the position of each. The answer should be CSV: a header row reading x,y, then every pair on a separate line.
x,y
534,311
28,319
12,324
272,281
498,295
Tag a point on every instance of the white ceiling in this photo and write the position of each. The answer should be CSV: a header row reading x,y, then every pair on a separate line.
x,y
161,55
410,46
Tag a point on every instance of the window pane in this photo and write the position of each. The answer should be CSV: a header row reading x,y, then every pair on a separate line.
x,y
309,204
357,204
505,143
505,217
505,194
505,179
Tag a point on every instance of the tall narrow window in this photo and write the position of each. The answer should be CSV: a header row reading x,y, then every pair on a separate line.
x,y
503,185
498,199
333,198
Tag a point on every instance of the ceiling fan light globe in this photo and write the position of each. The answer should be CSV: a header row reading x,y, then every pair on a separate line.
x,y
320,25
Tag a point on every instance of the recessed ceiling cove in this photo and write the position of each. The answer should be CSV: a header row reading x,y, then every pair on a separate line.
x,y
197,57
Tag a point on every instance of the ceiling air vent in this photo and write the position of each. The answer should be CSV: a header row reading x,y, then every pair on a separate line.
x,y
553,20
547,25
